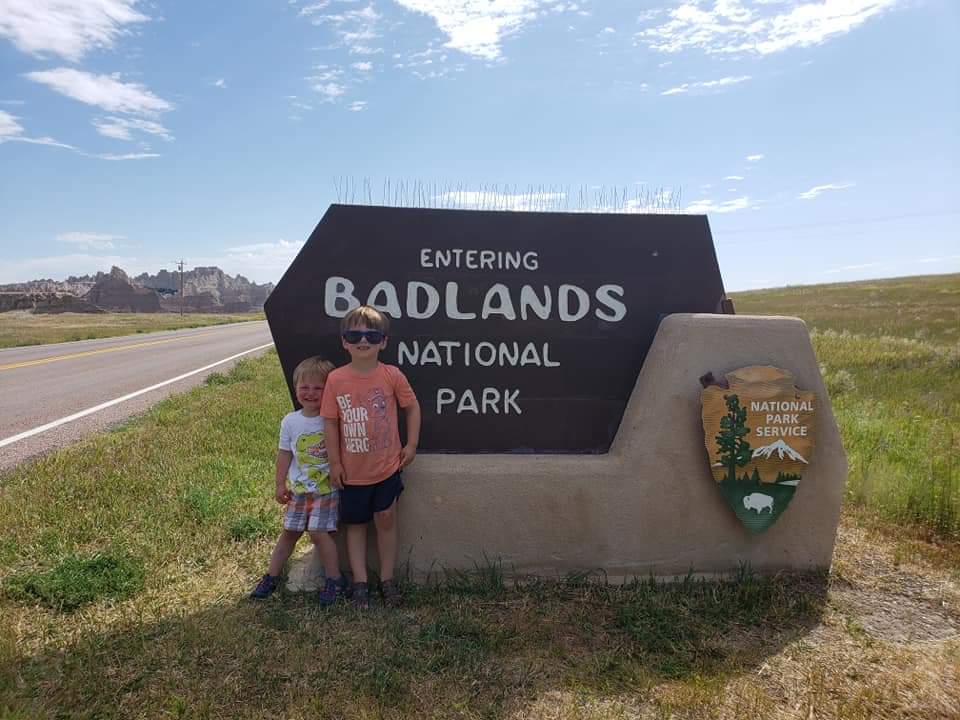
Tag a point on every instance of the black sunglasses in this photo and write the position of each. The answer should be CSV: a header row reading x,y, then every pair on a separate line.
x,y
374,337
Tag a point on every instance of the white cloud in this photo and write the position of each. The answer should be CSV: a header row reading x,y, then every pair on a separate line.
x,y
329,91
62,266
862,266
89,241
127,156
9,127
260,262
760,27
68,28
492,199
43,141
702,207
358,105
814,191
755,158
120,128
220,83
103,91
363,66
734,177
477,27
707,84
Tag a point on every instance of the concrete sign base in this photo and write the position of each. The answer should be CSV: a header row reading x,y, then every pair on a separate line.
x,y
650,505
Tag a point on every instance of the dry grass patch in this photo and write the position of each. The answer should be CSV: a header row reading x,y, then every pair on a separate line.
x,y
21,327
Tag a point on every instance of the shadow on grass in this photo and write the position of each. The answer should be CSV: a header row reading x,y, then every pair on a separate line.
x,y
463,646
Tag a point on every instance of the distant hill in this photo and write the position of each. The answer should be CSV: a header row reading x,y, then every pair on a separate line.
x,y
205,289
921,307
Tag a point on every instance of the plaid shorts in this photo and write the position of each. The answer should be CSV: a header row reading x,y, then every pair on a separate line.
x,y
312,512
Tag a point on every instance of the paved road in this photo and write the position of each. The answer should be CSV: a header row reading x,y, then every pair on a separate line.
x,y
42,384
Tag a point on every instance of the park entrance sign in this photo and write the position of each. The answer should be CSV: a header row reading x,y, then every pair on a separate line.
x,y
519,331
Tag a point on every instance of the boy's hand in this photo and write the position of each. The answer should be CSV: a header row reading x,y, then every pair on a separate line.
x,y
283,495
337,476
407,454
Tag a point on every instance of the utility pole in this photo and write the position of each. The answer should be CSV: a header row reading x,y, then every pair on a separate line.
x,y
179,264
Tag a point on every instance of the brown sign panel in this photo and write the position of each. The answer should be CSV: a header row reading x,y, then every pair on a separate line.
x,y
759,437
520,332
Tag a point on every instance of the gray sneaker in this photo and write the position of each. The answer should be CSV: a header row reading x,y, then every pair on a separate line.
x,y
332,589
360,595
390,592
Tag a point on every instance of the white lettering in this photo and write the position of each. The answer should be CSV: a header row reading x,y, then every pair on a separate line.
x,y
453,312
339,289
492,401
529,299
491,359
563,303
391,303
617,309
445,396
530,356
406,356
505,357
467,402
503,307
430,354
433,300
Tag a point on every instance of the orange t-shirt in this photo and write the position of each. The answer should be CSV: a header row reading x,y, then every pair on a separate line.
x,y
366,406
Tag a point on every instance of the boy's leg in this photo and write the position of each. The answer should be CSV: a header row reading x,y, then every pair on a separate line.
x,y
282,551
327,547
386,524
357,551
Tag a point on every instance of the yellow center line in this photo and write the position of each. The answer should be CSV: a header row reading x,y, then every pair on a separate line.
x,y
57,358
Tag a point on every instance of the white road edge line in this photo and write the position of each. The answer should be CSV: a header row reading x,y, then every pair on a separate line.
x,y
102,406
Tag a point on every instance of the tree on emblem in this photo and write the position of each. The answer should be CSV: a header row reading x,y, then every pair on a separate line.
x,y
734,450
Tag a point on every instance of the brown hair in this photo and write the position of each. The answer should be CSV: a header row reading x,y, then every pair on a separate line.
x,y
365,315
314,366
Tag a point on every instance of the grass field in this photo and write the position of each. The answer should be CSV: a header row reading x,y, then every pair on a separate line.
x,y
890,354
20,327
125,561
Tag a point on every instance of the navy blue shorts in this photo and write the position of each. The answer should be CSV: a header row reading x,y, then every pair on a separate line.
x,y
358,503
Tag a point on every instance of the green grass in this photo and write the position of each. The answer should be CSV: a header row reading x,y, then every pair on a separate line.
x,y
890,354
76,581
125,561
919,308
156,531
19,327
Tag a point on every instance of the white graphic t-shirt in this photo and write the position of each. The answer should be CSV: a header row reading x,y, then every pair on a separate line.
x,y
304,437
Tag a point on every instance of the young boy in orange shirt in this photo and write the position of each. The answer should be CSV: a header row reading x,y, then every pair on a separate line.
x,y
363,444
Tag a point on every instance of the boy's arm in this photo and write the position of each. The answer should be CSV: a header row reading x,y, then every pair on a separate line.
x,y
409,451
284,458
332,430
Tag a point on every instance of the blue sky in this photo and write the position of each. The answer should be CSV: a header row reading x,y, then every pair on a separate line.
x,y
822,138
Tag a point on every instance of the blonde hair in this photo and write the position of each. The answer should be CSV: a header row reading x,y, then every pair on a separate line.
x,y
365,315
314,366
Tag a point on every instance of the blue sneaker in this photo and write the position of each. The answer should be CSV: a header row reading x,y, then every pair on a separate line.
x,y
265,588
332,589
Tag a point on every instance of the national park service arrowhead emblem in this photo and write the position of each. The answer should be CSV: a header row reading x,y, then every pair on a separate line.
x,y
758,431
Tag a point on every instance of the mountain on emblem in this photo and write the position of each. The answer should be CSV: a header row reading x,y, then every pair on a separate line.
x,y
781,449
758,480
